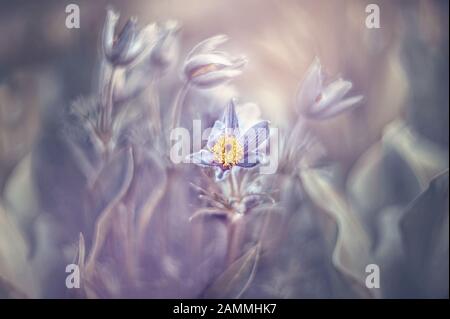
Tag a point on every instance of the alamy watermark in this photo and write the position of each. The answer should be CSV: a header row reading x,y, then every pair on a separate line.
x,y
73,16
373,17
73,277
373,277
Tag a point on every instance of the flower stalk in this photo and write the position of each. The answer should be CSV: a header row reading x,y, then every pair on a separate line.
x,y
106,117
234,230
178,105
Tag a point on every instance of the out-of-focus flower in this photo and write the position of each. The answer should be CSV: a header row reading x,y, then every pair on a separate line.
x,y
165,50
319,102
227,147
124,48
206,67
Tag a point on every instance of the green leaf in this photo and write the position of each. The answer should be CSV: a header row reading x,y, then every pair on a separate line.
x,y
351,251
425,233
113,180
16,278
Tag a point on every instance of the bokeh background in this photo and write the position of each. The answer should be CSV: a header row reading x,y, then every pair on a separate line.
x,y
400,68
44,65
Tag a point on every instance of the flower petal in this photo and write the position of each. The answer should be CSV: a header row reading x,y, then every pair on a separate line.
x,y
239,62
310,87
255,136
208,45
215,78
340,107
197,62
145,40
165,50
202,158
125,39
250,160
230,118
216,131
332,94
108,31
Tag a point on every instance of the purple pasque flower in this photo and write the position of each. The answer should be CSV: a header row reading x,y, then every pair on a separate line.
x,y
227,147
124,48
205,67
318,102
165,50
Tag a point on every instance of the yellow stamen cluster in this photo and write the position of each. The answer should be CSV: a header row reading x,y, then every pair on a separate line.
x,y
227,151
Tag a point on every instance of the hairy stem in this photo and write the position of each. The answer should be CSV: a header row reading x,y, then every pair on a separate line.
x,y
106,119
234,232
150,207
177,108
155,108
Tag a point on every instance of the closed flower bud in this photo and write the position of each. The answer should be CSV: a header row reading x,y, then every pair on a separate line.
x,y
165,51
319,102
205,67
129,44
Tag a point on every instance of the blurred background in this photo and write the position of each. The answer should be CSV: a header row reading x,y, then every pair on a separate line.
x,y
400,68
44,65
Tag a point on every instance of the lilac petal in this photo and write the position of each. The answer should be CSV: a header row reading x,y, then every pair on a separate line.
x,y
135,50
216,131
332,94
108,31
202,158
340,107
230,118
310,87
255,136
124,40
208,45
250,160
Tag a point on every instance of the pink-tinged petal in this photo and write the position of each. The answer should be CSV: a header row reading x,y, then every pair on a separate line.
x,y
332,94
205,63
208,45
340,107
310,87
215,78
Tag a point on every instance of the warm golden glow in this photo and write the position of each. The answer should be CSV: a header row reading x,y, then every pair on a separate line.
x,y
227,151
